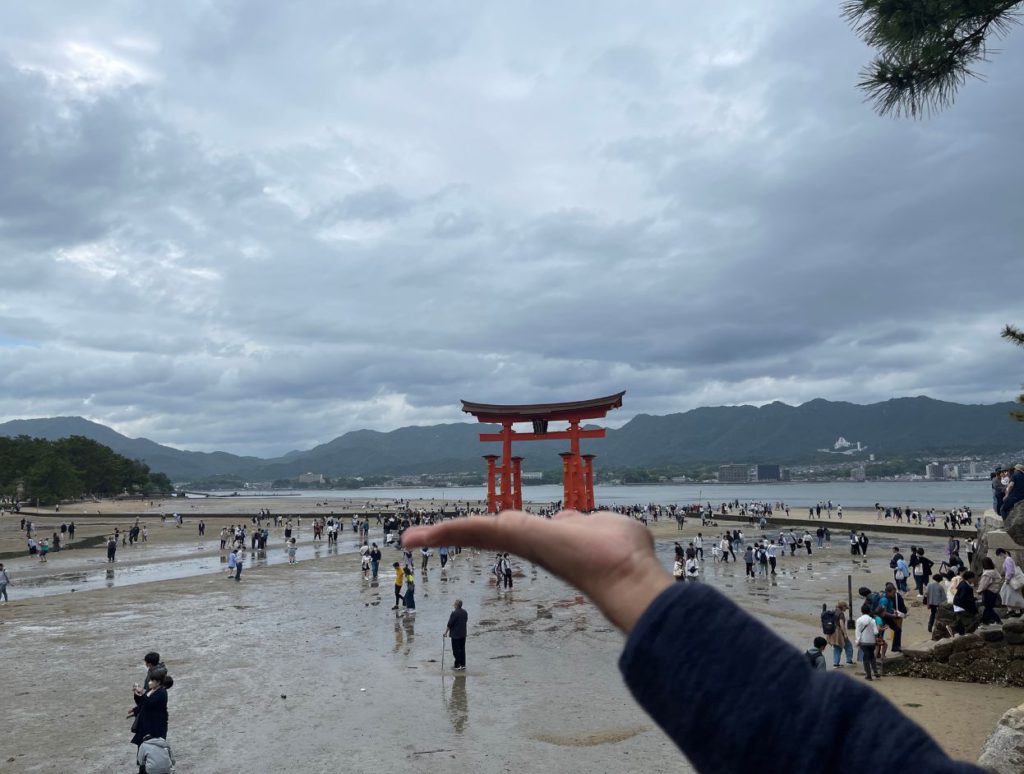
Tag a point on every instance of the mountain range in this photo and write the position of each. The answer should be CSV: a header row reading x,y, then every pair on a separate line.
x,y
774,433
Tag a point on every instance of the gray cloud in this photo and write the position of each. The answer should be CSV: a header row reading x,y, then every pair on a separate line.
x,y
255,227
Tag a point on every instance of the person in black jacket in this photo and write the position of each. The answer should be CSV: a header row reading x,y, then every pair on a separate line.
x,y
456,629
151,707
822,721
964,605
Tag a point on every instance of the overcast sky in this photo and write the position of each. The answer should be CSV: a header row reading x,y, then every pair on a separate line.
x,y
253,226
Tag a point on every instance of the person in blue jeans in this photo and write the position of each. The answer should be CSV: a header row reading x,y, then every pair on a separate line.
x,y
840,638
821,721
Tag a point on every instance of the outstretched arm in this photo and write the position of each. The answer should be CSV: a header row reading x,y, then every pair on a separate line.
x,y
609,558
705,670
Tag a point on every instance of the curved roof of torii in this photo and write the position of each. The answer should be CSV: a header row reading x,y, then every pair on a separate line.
x,y
580,409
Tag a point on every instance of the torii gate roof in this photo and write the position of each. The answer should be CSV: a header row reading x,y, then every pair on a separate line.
x,y
581,409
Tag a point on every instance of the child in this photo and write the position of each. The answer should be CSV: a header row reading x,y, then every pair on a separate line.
x,y
716,552
155,756
880,645
292,550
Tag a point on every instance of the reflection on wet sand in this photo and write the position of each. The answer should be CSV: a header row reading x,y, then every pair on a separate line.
x,y
458,704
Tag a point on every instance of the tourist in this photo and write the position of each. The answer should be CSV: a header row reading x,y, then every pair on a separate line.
x,y
834,629
202,528
1013,581
293,549
895,607
934,596
862,543
364,560
410,591
399,582
854,544
815,656
239,563
5,579
807,539
901,572
1014,490
965,608
425,554
442,555
232,562
375,557
658,615
692,569
988,587
506,570
111,548
880,644
154,756
456,630
770,550
748,559
151,707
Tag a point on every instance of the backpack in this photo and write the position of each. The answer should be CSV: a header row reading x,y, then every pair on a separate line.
x,y
892,562
828,622
872,599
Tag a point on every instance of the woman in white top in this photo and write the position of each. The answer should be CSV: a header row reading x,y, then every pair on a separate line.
x,y
1010,596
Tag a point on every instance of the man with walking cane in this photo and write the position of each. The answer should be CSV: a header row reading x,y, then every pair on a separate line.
x,y
456,629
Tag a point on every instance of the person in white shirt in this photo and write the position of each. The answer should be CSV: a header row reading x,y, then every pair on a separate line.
x,y
770,550
866,632
692,569
698,546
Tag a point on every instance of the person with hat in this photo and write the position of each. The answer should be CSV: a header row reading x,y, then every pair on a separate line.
x,y
1014,490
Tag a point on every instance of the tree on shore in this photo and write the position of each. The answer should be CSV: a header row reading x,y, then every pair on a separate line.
x,y
1016,335
927,49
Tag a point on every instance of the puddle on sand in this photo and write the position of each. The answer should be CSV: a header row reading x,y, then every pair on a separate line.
x,y
592,738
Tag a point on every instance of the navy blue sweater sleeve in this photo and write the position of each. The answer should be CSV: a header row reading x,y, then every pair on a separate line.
x,y
721,685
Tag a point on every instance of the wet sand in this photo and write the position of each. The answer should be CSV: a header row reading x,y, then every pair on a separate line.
x,y
542,690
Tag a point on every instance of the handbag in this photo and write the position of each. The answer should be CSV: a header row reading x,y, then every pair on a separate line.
x,y
1017,581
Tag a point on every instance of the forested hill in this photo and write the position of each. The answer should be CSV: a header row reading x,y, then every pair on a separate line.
x,y
47,472
774,433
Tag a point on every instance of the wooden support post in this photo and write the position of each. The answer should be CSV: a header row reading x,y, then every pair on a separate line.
x,y
492,500
567,492
588,480
517,483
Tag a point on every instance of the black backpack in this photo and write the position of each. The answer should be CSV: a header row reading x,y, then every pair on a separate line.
x,y
828,622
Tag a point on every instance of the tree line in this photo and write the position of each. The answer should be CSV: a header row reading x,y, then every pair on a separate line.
x,y
71,468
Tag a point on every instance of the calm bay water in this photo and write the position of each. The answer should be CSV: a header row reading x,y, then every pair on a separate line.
x,y
918,494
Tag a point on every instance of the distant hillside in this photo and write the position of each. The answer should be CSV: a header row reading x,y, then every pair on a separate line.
x,y
774,433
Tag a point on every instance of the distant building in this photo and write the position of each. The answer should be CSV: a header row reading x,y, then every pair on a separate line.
x,y
310,478
858,474
532,476
768,473
933,471
952,472
733,474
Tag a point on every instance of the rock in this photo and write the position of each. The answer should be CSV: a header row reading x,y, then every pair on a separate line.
x,y
962,659
942,650
921,651
1014,638
991,634
1014,524
967,642
1016,626
1003,752
1014,651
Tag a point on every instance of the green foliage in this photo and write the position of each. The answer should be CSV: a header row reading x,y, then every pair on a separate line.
x,y
51,471
926,49
1016,335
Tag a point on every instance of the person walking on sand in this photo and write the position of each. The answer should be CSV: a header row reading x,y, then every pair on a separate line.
x,y
5,579
375,557
456,630
111,548
836,634
239,563
506,571
399,582
866,633
292,550
934,596
1009,594
232,562
410,591
988,587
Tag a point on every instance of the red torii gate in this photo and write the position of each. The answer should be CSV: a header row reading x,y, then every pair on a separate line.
x,y
577,469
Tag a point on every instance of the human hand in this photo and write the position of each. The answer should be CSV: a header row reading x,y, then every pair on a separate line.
x,y
608,557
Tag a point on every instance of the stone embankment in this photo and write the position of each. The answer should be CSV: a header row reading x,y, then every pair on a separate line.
x,y
991,654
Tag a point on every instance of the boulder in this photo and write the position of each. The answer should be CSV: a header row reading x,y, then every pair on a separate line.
x,y
1014,638
942,650
967,642
1014,524
991,633
921,651
1015,626
1003,752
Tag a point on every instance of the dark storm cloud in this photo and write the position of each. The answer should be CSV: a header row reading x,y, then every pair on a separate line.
x,y
254,227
